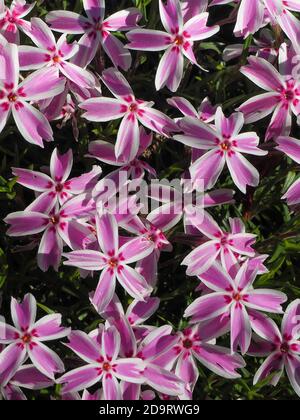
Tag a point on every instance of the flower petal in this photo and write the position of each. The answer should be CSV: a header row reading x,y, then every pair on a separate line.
x,y
45,360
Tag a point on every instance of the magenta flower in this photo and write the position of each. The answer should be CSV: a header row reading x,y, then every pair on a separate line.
x,y
282,348
15,97
135,316
206,112
103,364
59,227
154,350
97,31
113,261
282,97
178,41
193,346
25,340
191,8
254,14
57,189
234,298
105,152
225,146
28,377
131,110
151,231
50,53
291,147
11,20
226,247
174,208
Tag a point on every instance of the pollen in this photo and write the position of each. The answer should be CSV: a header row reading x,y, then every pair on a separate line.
x,y
106,367
179,40
26,338
12,97
56,59
133,108
113,263
225,146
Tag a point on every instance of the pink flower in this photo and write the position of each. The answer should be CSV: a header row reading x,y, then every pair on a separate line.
x,y
178,41
103,364
28,377
225,146
264,47
59,227
193,346
57,189
15,97
291,147
234,298
206,111
191,8
151,232
254,14
154,350
50,53
25,339
131,110
282,97
97,31
135,316
114,263
282,348
11,19
105,152
174,207
223,246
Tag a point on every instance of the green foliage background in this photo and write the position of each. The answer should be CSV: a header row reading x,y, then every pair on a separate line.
x,y
263,211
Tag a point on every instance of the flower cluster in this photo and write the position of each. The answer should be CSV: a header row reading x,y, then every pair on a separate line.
x,y
93,220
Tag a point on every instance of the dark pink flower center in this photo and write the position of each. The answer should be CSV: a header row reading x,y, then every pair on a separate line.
x,y
12,97
26,338
133,107
225,146
113,262
187,343
285,348
54,220
59,188
56,58
106,367
179,40
237,297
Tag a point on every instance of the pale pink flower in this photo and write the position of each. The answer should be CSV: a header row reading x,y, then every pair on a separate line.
x,y
225,146
105,152
59,227
28,377
57,188
11,19
131,110
225,247
283,93
291,147
236,299
97,31
15,97
114,262
25,340
178,41
51,53
281,347
103,364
